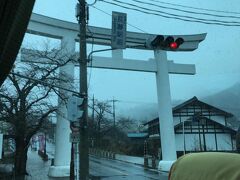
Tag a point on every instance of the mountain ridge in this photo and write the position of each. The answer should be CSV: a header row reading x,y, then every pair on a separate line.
x,y
228,100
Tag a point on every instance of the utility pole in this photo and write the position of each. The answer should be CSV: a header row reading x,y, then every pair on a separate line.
x,y
93,116
93,102
72,166
114,115
83,128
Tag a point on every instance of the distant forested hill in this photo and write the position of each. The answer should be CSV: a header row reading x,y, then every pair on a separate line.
x,y
227,100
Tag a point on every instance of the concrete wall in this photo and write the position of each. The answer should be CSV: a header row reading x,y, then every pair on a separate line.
x,y
224,142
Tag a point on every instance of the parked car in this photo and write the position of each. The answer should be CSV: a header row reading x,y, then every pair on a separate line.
x,y
206,166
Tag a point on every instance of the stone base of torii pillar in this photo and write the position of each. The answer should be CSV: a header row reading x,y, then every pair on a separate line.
x,y
59,171
165,166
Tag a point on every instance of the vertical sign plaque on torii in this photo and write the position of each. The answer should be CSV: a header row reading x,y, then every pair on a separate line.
x,y
119,27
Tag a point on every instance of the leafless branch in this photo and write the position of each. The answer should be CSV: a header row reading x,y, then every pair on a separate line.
x,y
41,120
38,99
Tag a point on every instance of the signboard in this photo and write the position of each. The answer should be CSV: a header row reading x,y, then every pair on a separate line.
x,y
41,140
119,28
1,145
74,137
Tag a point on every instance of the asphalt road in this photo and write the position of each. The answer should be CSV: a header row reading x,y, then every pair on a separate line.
x,y
106,169
100,169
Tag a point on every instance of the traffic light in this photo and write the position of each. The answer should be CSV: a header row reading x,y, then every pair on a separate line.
x,y
167,43
75,108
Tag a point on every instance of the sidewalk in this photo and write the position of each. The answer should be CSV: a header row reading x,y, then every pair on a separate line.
x,y
37,168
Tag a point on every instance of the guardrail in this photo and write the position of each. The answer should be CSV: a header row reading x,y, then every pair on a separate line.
x,y
148,160
102,153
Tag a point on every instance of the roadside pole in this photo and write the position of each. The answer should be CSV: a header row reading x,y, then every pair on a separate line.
x,y
83,122
72,164
114,114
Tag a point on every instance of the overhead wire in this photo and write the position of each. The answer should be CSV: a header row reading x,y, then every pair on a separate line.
x,y
196,8
186,11
177,17
127,22
91,4
171,14
135,102
155,103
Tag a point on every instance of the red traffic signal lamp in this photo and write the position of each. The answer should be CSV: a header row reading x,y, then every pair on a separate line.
x,y
166,43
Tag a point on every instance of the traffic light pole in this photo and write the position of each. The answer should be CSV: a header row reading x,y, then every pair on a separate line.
x,y
72,164
83,122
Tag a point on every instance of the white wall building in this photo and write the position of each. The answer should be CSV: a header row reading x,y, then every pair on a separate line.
x,y
198,127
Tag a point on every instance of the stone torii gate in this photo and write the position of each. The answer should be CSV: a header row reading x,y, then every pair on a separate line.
x,y
67,32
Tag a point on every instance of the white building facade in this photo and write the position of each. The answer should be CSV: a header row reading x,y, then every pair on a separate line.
x,y
198,127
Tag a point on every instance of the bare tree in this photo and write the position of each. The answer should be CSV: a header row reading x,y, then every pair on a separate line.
x,y
102,110
26,103
127,124
107,134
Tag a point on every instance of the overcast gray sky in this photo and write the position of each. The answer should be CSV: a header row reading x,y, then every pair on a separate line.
x,y
217,58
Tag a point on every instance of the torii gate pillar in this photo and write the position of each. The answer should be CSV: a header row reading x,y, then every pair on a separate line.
x,y
165,112
61,167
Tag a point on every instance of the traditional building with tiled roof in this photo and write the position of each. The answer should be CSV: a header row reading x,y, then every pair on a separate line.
x,y
198,127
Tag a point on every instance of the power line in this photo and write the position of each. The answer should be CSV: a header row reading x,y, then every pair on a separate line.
x,y
111,16
135,102
191,7
169,17
186,11
163,13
